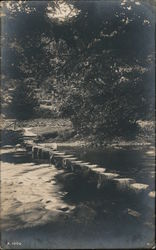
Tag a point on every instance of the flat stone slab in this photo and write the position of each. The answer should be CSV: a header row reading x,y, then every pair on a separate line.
x,y
63,157
77,162
84,164
67,162
83,167
98,169
123,183
124,180
138,187
70,158
93,165
102,178
57,156
109,175
58,153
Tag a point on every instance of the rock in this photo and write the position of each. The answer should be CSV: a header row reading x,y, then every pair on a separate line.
x,y
139,187
133,213
67,163
51,160
57,162
105,178
54,146
152,194
108,176
80,165
94,166
45,154
39,153
123,183
64,209
56,158
98,170
58,153
34,152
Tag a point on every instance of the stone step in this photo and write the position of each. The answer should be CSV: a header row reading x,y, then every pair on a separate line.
x,y
98,170
105,178
123,183
99,174
139,187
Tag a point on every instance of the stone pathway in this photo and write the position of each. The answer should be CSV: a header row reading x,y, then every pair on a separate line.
x,y
35,215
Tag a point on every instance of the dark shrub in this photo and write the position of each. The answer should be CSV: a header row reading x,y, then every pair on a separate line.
x,y
10,137
24,103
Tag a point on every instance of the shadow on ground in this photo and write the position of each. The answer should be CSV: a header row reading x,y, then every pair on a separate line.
x,y
89,218
16,157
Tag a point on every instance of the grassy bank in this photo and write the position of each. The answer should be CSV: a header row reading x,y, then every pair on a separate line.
x,y
62,132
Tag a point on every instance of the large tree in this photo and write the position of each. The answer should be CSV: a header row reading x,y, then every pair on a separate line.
x,y
98,56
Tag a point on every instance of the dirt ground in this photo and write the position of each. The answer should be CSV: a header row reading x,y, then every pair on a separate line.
x,y
30,191
36,214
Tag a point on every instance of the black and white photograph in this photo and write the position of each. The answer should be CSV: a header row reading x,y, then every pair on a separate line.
x,y
77,158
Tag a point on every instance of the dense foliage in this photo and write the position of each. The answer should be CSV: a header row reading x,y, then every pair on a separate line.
x,y
24,103
98,59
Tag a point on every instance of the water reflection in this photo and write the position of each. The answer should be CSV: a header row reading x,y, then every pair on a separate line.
x,y
130,162
102,219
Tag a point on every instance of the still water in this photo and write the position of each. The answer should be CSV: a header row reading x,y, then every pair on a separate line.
x,y
133,162
88,218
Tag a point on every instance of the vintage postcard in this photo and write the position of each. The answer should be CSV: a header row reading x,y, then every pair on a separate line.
x,y
77,124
